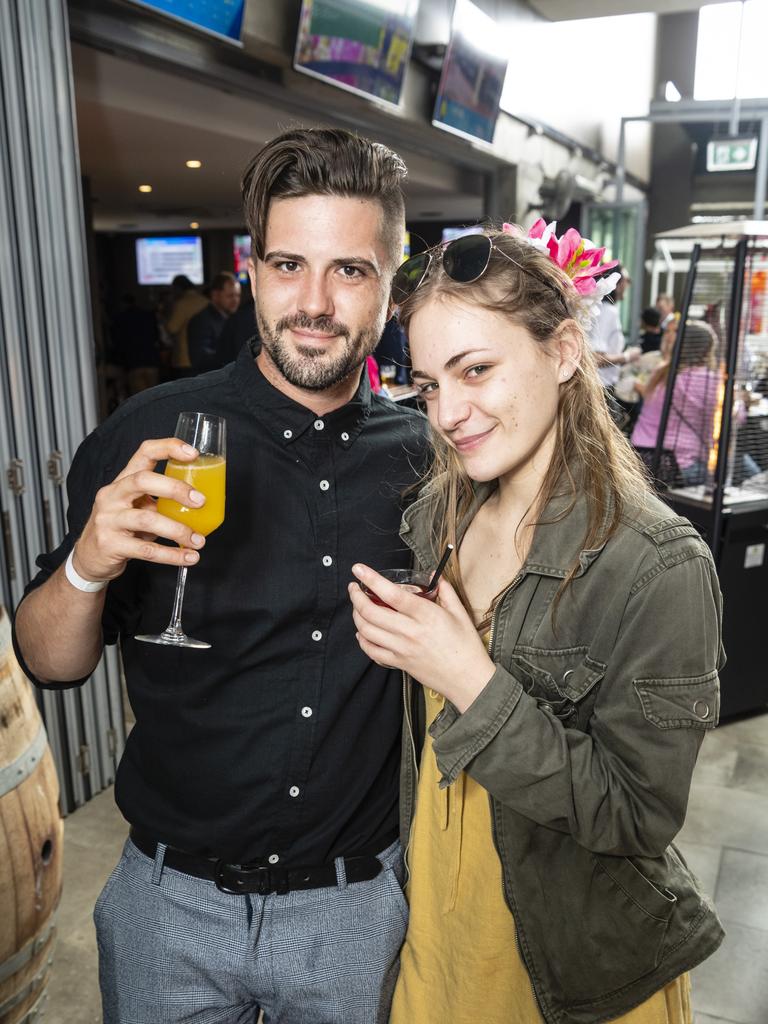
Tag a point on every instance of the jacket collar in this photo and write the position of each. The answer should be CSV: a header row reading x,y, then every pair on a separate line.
x,y
556,546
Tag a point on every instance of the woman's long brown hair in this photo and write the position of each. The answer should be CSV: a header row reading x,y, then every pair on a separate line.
x,y
591,457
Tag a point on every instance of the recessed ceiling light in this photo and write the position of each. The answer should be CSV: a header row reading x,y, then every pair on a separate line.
x,y
194,164
145,188
194,224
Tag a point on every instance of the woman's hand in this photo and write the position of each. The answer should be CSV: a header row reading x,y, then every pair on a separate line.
x,y
435,642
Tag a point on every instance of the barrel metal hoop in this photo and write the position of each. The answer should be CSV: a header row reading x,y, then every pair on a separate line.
x,y
14,773
39,979
25,954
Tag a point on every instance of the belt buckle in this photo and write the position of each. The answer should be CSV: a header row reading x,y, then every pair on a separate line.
x,y
237,879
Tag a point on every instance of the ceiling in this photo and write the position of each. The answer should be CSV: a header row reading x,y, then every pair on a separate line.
x,y
571,10
138,125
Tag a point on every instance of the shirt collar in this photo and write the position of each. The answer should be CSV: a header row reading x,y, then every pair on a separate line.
x,y
287,419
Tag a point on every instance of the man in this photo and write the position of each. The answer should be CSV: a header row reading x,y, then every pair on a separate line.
x,y
204,329
261,777
650,330
186,302
608,339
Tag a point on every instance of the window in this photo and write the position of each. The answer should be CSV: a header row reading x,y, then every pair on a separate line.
x,y
730,59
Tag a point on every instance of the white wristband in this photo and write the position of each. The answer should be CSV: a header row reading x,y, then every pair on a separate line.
x,y
77,581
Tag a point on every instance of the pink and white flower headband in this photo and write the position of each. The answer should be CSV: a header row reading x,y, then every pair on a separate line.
x,y
578,258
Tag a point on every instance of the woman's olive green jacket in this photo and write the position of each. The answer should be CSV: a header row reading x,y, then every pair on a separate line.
x,y
586,738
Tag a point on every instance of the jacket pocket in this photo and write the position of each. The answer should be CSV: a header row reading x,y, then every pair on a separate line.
x,y
687,703
561,681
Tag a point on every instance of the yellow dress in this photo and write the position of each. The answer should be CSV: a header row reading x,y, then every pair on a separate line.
x,y
460,961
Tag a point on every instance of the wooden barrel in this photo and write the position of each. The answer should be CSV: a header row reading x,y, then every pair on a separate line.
x,y
31,833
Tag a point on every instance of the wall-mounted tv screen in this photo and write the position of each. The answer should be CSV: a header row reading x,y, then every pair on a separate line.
x,y
223,18
360,45
473,74
159,260
241,252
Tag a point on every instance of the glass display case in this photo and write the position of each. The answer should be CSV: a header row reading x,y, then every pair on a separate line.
x,y
711,446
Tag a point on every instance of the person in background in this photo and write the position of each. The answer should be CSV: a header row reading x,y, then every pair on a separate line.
x,y
185,302
263,869
650,330
666,307
392,352
566,672
136,345
608,341
691,415
238,329
204,328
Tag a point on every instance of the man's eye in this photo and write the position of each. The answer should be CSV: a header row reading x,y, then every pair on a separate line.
x,y
289,266
426,389
352,272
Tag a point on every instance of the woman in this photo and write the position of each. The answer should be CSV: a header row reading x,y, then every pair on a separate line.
x,y
567,671
692,412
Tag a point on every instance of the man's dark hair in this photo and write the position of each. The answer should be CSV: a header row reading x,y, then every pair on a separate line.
x,y
181,283
222,279
651,317
325,162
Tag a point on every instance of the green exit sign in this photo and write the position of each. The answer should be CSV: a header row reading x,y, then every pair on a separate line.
x,y
731,154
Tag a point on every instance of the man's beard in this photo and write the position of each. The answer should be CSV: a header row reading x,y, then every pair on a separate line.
x,y
307,367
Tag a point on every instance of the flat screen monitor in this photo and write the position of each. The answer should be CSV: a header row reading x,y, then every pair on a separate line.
x,y
241,252
473,75
159,260
222,18
360,45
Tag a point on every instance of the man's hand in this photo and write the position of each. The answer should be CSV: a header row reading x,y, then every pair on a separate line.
x,y
124,522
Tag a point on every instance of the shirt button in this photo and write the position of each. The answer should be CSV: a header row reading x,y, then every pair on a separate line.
x,y
317,635
327,560
287,434
273,858
319,424
306,712
345,436
324,485
294,791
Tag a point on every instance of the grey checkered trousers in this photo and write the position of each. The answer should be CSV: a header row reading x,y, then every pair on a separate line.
x,y
173,948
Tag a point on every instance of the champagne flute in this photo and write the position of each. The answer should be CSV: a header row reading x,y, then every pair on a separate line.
x,y
207,474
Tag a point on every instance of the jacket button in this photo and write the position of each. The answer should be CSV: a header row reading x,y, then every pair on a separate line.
x,y
546,706
701,709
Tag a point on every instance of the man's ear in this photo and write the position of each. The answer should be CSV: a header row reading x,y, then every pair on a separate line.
x,y
252,276
569,342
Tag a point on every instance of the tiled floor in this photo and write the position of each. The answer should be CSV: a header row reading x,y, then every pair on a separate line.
x,y
725,840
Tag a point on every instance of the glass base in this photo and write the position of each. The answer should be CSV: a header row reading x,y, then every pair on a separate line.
x,y
173,640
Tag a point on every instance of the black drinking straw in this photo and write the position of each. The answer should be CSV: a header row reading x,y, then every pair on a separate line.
x,y
439,570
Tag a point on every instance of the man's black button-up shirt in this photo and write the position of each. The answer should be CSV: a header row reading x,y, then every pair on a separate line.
x,y
282,741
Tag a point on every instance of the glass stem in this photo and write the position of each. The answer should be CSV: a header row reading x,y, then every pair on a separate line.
x,y
174,627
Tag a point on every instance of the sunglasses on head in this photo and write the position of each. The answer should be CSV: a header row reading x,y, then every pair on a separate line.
x,y
464,260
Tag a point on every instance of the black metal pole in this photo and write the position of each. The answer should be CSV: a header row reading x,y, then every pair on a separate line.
x,y
732,347
675,361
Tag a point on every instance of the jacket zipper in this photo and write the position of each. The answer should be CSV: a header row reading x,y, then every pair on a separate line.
x,y
494,833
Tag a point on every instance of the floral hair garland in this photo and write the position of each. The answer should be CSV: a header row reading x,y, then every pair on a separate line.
x,y
579,260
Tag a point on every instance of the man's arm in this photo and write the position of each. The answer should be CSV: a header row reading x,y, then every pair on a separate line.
x,y
57,626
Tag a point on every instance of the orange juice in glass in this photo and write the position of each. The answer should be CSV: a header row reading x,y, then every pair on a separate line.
x,y
206,474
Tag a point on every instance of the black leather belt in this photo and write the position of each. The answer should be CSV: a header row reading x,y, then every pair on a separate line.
x,y
259,877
